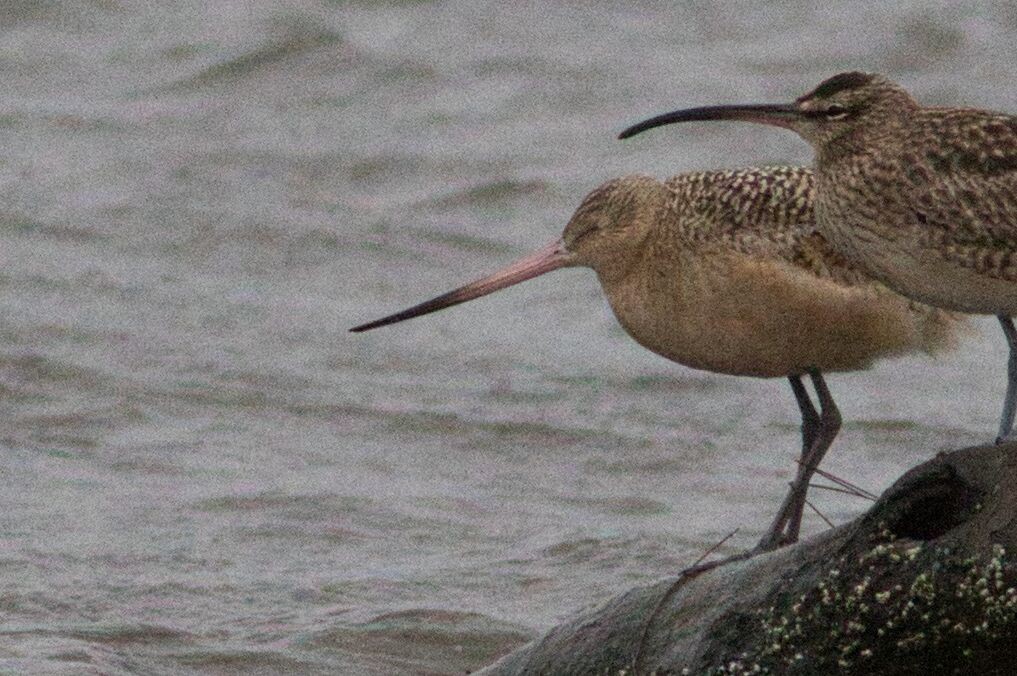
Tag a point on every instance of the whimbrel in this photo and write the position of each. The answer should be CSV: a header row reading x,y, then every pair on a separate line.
x,y
724,271
922,198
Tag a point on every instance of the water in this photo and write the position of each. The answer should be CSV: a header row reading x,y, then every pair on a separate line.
x,y
206,473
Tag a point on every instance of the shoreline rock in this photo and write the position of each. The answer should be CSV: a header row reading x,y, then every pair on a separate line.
x,y
924,582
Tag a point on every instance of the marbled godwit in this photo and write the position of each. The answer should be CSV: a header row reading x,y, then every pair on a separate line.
x,y
923,199
724,271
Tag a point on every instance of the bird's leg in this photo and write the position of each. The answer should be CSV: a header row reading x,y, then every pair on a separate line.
x,y
810,417
829,426
818,432
1010,402
774,537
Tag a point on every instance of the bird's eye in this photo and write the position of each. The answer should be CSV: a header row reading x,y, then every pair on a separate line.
x,y
835,112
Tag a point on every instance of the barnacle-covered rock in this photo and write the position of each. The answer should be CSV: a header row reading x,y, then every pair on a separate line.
x,y
925,582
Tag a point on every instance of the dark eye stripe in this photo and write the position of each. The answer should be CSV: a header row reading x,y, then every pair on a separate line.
x,y
814,114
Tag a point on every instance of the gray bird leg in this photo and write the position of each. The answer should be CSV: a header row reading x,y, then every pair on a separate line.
x,y
829,426
1010,402
810,417
818,432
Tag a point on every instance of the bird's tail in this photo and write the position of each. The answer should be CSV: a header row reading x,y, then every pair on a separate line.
x,y
939,330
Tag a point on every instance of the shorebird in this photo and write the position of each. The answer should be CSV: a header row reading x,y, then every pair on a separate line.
x,y
922,198
724,271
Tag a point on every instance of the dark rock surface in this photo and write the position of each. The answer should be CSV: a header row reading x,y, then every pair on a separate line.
x,y
922,583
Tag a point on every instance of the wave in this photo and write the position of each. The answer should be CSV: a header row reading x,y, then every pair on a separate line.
x,y
425,640
293,43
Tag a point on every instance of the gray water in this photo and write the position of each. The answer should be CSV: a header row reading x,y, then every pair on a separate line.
x,y
204,472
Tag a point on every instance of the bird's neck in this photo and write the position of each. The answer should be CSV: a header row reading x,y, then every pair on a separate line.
x,y
848,149
648,299
653,272
880,134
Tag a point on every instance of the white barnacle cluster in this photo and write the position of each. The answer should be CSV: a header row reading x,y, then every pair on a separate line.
x,y
849,619
992,604
740,666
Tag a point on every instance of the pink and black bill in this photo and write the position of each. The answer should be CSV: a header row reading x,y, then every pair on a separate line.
x,y
551,257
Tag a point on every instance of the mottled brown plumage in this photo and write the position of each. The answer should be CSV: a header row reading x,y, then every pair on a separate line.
x,y
725,271
922,198
733,277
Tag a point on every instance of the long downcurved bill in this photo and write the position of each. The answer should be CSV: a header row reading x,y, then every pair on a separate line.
x,y
775,114
551,257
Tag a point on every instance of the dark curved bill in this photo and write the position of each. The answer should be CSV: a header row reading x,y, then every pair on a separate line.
x,y
777,114
550,257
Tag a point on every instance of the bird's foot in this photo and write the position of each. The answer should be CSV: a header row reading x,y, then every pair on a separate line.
x,y
698,568
771,542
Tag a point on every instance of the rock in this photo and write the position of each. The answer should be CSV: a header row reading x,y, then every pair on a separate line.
x,y
922,583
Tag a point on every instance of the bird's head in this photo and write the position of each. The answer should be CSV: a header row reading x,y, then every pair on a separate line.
x,y
605,233
838,107
609,228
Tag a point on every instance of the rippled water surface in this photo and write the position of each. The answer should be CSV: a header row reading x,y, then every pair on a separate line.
x,y
204,472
